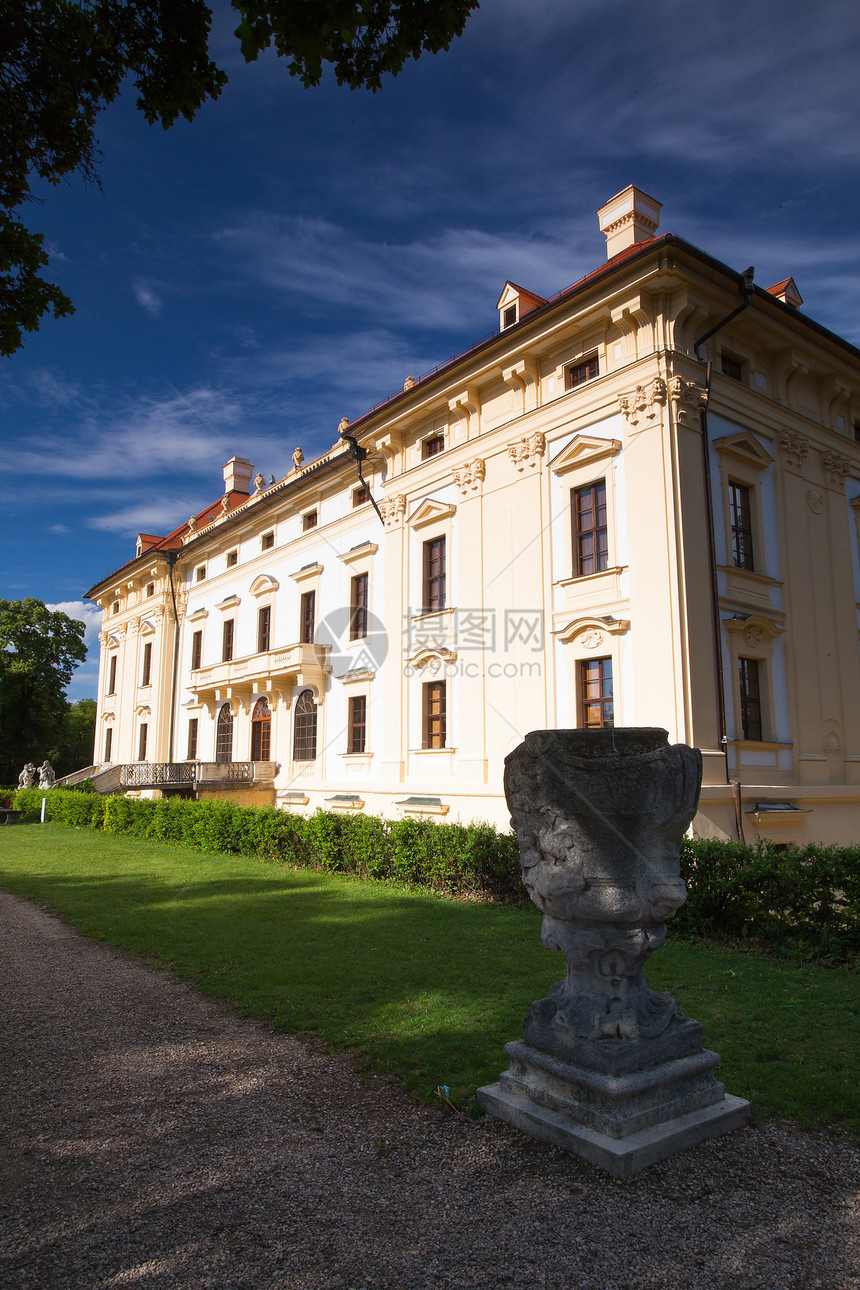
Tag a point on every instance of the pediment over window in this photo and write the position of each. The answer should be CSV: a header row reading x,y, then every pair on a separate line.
x,y
198,615
429,512
142,710
754,629
589,631
584,450
433,659
147,627
230,603
265,582
744,447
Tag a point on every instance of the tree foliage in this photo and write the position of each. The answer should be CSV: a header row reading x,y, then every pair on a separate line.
x,y
63,61
74,747
39,650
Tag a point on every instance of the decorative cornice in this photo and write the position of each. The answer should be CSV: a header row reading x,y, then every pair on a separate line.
x,y
644,402
525,452
470,477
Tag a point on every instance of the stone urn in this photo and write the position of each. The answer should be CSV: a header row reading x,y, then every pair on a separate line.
x,y
608,1069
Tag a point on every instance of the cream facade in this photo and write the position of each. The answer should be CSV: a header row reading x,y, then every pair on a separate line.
x,y
589,519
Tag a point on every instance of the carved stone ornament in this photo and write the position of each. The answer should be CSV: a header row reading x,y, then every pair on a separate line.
x,y
686,398
592,638
609,1069
645,401
298,458
225,504
835,469
832,742
408,383
470,477
103,638
192,523
393,510
27,776
526,451
794,450
752,635
259,482
815,501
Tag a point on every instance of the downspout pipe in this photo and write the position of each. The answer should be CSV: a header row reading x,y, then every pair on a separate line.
x,y
746,285
172,557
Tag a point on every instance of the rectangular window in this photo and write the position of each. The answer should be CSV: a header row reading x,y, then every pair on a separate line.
x,y
741,520
192,739
146,674
112,675
732,367
596,703
115,607
141,742
509,317
360,495
227,640
578,373
309,521
268,541
232,559
358,608
264,623
200,573
357,724
196,650
307,624
434,575
750,687
150,589
433,446
108,742
590,532
434,715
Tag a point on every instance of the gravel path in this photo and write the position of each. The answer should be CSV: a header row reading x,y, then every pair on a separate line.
x,y
151,1138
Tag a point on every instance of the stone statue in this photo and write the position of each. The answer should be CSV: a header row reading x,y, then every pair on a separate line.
x,y
46,775
28,774
408,383
259,481
609,1069
298,458
342,425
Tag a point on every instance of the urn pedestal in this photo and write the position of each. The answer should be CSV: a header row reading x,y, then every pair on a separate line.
x,y
608,1069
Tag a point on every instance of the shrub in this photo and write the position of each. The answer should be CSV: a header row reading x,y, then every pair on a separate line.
x,y
804,902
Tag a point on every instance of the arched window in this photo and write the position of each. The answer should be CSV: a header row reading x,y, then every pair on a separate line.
x,y
305,728
224,735
261,731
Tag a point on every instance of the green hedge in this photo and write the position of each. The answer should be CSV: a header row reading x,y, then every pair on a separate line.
x,y
804,901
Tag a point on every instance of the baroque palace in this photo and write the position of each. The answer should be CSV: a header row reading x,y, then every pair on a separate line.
x,y
635,504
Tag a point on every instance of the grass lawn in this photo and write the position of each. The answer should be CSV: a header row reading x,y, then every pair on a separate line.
x,y
424,988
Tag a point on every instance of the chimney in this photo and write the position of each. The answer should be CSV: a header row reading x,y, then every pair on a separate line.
x,y
237,475
629,217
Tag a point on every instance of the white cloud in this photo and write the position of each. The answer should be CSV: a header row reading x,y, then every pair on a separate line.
x,y
161,516
59,528
84,612
147,298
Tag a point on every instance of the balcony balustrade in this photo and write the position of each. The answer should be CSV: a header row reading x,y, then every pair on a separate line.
x,y
272,669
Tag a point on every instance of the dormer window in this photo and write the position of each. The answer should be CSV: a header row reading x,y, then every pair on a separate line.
x,y
514,303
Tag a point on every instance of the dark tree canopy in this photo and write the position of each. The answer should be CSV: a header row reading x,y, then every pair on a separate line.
x,y
63,61
39,650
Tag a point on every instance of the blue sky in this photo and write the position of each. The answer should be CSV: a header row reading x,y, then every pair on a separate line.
x,y
292,255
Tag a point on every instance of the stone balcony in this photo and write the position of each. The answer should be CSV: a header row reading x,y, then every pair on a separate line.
x,y
283,669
